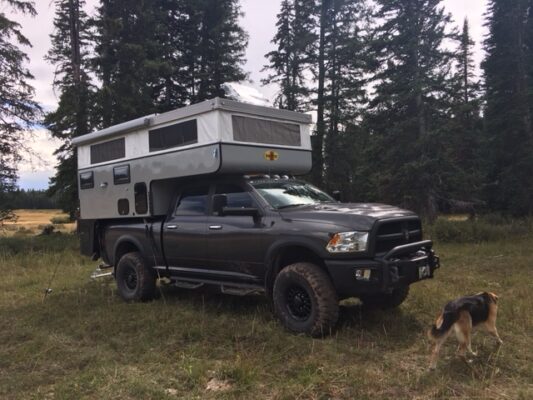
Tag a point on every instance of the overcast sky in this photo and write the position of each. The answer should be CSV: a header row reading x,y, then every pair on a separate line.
x,y
259,21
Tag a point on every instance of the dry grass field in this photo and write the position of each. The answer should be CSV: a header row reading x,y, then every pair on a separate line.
x,y
83,342
33,222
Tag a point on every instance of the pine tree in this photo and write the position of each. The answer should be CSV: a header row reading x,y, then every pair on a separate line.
x,y
294,56
74,114
129,58
508,85
341,64
409,107
221,47
345,92
465,126
18,110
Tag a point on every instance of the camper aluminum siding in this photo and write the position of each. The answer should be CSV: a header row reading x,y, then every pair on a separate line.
x,y
119,168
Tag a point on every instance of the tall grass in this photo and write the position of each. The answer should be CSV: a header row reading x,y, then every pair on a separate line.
x,y
82,341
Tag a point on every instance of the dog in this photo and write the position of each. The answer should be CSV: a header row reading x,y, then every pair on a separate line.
x,y
462,315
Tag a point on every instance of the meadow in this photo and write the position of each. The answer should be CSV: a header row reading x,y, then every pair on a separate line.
x,y
82,341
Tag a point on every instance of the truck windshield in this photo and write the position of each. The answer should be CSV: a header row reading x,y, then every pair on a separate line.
x,y
285,194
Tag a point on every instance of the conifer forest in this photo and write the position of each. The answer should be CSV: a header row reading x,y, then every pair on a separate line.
x,y
403,113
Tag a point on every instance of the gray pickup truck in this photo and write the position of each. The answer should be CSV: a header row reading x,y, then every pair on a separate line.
x,y
304,249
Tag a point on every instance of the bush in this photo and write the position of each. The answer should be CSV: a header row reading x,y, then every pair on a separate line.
x,y
484,229
60,219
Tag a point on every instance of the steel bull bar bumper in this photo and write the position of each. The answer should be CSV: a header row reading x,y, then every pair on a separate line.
x,y
401,265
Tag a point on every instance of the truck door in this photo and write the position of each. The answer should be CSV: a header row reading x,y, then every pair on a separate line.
x,y
236,244
185,231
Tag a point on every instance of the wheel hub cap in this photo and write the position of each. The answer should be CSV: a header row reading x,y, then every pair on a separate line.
x,y
298,303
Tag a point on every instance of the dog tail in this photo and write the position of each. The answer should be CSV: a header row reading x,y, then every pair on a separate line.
x,y
443,324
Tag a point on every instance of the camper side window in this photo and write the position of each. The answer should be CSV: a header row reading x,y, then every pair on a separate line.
x,y
193,201
87,180
121,174
141,198
177,135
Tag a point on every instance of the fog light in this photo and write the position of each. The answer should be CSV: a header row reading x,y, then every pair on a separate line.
x,y
363,274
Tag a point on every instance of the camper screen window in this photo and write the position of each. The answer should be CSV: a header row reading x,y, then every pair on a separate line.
x,y
121,174
177,135
256,130
87,180
107,151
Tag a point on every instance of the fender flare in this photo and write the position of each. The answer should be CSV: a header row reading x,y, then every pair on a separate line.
x,y
129,240
279,245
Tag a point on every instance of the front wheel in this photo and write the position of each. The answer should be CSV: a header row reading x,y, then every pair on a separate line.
x,y
305,300
386,300
135,280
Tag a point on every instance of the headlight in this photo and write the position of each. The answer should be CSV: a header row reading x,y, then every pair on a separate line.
x,y
348,242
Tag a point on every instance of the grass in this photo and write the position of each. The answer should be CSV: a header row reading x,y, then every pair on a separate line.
x,y
82,341
33,222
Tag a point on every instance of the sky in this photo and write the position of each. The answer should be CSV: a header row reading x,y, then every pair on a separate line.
x,y
259,21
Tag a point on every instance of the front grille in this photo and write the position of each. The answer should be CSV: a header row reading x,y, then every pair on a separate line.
x,y
396,233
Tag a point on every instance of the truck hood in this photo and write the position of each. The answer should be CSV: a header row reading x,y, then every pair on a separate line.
x,y
356,216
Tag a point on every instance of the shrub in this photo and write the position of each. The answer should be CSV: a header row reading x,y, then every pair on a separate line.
x,y
484,229
60,219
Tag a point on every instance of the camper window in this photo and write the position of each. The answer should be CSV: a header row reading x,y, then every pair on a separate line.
x,y
87,180
107,151
176,135
123,206
121,175
256,130
141,198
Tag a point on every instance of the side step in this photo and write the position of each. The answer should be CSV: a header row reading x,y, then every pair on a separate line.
x,y
236,291
188,285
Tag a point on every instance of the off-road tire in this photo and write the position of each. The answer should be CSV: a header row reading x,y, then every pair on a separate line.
x,y
305,300
135,280
386,300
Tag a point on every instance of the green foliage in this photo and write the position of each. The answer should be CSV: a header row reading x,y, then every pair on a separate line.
x,y
489,228
18,110
296,41
509,105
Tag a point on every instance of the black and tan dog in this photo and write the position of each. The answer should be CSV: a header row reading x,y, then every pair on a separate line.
x,y
462,315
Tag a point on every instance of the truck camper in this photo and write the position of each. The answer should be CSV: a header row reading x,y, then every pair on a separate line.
x,y
206,195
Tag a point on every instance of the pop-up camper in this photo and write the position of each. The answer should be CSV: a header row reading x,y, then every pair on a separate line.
x,y
127,170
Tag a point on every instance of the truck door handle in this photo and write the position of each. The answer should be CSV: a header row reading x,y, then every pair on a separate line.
x,y
172,226
215,227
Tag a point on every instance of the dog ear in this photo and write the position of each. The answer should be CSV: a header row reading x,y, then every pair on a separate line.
x,y
493,297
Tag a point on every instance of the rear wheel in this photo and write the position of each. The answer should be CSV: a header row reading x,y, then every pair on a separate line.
x,y
386,300
135,280
305,300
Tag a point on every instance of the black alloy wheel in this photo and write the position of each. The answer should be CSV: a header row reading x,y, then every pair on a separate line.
x,y
135,280
305,300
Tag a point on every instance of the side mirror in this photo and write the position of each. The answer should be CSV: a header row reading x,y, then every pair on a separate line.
x,y
220,201
337,195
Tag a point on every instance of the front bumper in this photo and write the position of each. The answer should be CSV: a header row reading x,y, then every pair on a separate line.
x,y
400,266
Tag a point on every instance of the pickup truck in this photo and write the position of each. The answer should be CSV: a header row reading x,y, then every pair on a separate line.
x,y
282,236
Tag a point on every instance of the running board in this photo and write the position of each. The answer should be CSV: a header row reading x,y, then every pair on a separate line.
x,y
188,285
239,291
